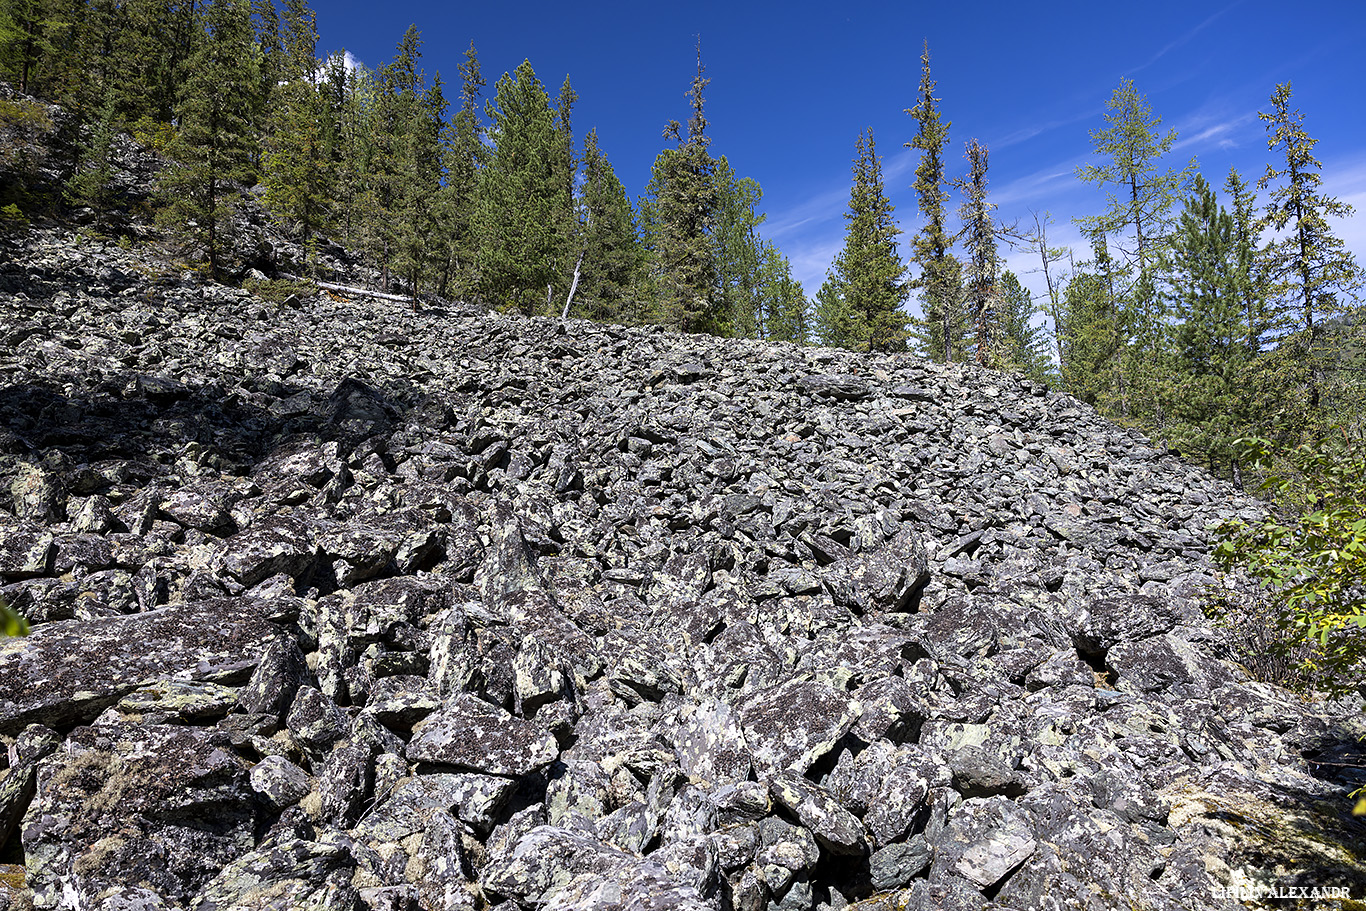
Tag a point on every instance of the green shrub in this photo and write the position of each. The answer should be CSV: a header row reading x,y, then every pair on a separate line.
x,y
278,290
1309,556
11,624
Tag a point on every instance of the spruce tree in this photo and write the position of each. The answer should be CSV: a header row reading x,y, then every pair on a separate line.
x,y
680,218
941,328
612,254
1310,272
867,274
738,252
215,144
979,237
521,196
465,153
297,167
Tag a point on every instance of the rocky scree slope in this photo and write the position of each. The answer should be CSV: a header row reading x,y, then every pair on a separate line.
x,y
342,606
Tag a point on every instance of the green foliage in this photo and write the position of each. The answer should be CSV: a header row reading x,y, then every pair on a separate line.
x,y
278,290
1313,563
612,254
679,215
11,624
979,237
1309,271
1020,345
522,196
215,145
942,329
864,291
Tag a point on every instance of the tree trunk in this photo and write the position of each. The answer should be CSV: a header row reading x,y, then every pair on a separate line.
x,y
572,288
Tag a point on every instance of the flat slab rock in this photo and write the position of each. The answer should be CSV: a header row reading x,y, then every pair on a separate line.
x,y
472,734
67,672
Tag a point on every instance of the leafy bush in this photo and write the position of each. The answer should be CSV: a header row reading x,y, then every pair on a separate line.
x,y
1311,557
11,624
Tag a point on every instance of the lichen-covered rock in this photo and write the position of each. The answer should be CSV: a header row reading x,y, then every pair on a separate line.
x,y
68,672
280,781
984,841
166,807
33,744
791,725
469,733
816,809
275,544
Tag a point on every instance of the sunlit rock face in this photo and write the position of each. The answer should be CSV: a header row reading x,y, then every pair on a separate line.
x,y
340,605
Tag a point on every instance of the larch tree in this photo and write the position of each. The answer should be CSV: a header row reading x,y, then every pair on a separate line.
x,y
941,328
1140,197
215,144
1021,345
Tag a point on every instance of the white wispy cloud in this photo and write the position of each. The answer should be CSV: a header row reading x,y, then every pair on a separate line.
x,y
1183,38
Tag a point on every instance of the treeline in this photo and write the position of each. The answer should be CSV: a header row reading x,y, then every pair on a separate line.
x,y
1199,320
492,200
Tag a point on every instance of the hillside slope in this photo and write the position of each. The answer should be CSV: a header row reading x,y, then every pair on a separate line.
x,y
340,605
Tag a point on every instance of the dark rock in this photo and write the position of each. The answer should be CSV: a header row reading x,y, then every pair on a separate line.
x,y
474,735
68,672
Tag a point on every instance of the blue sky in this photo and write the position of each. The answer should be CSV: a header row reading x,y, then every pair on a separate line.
x,y
794,83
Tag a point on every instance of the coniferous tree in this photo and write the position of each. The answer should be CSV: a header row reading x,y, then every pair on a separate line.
x,y
739,252
836,325
612,254
867,274
1093,333
680,217
297,165
215,145
979,237
941,329
1140,197
1209,351
1020,344
786,313
521,195
465,153
1310,273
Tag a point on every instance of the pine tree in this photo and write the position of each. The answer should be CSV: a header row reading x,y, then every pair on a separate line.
x,y
612,254
215,144
867,274
1094,333
680,218
521,196
979,234
941,328
1310,272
